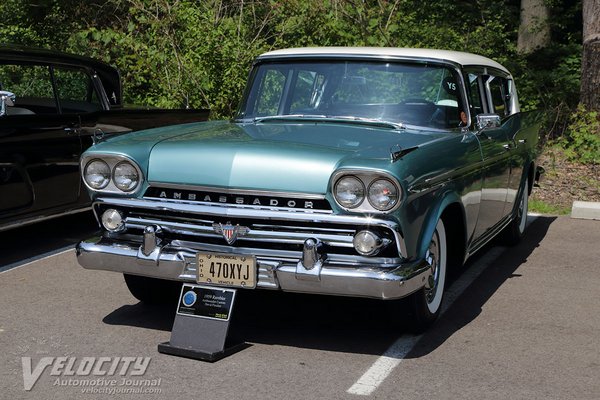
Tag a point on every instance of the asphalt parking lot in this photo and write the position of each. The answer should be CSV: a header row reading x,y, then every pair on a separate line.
x,y
519,323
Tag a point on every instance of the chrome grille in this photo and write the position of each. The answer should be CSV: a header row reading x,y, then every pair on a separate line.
x,y
267,233
280,234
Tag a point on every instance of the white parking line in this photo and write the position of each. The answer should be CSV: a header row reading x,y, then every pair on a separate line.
x,y
384,365
30,260
390,359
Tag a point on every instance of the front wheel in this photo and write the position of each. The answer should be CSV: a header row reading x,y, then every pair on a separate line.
x,y
152,290
514,231
426,303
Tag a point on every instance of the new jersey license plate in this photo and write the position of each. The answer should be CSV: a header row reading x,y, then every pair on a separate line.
x,y
228,270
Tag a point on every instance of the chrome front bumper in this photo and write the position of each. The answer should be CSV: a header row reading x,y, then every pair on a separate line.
x,y
342,276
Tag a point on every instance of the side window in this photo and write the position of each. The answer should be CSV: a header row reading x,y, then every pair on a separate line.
x,y
475,95
76,91
499,95
32,86
271,90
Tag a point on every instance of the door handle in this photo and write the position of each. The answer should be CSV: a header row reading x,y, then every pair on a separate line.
x,y
71,131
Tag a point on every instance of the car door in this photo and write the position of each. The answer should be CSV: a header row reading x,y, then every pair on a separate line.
x,y
502,98
39,145
494,144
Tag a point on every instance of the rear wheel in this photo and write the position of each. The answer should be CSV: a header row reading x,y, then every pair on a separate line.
x,y
426,304
152,290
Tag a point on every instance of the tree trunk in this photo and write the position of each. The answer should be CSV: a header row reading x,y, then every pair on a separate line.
x,y
534,30
590,63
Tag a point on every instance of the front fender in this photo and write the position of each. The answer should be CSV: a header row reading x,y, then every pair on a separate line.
x,y
442,200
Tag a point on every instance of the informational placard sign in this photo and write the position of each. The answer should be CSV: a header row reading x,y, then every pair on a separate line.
x,y
202,323
206,302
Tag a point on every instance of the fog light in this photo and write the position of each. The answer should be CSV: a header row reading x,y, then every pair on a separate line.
x,y
367,243
112,220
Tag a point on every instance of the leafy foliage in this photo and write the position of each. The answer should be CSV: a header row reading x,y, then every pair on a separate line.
x,y
582,141
174,53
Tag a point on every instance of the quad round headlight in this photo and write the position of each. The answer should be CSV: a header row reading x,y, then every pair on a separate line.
x,y
97,174
349,192
125,176
383,195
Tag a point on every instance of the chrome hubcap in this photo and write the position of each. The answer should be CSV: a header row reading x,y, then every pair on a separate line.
x,y
432,257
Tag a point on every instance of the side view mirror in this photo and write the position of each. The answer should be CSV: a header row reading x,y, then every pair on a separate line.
x,y
484,121
6,99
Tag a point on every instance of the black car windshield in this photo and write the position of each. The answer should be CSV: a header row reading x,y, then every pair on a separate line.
x,y
417,94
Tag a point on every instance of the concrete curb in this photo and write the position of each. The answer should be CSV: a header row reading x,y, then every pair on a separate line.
x,y
585,210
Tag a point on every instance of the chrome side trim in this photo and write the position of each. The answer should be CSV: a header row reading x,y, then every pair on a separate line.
x,y
488,236
33,220
266,215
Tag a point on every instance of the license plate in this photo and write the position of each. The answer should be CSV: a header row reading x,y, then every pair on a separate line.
x,y
229,270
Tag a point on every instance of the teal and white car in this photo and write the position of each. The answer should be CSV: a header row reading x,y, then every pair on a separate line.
x,y
364,172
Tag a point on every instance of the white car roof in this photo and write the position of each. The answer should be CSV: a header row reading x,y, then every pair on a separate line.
x,y
456,57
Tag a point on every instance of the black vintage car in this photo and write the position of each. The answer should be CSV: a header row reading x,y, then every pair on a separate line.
x,y
53,106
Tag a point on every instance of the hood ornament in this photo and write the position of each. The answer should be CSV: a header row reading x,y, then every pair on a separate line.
x,y
230,232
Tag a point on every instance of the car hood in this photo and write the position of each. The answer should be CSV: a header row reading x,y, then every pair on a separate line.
x,y
297,157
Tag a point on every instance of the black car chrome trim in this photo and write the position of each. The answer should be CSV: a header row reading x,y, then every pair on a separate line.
x,y
40,218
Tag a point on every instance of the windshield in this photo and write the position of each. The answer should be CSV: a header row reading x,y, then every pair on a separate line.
x,y
399,93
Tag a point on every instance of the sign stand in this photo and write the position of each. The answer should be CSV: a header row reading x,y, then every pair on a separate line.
x,y
201,324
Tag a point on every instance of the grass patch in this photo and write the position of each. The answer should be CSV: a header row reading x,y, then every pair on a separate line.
x,y
541,207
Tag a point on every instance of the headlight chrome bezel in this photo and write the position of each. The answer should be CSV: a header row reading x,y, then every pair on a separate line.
x,y
112,160
367,177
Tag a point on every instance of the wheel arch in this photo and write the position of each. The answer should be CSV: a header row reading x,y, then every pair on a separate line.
x,y
456,235
451,210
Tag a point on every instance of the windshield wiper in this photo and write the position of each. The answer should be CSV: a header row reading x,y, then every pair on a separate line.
x,y
369,121
333,118
289,116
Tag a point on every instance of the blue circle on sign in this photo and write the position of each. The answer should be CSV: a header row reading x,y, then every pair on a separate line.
x,y
189,298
